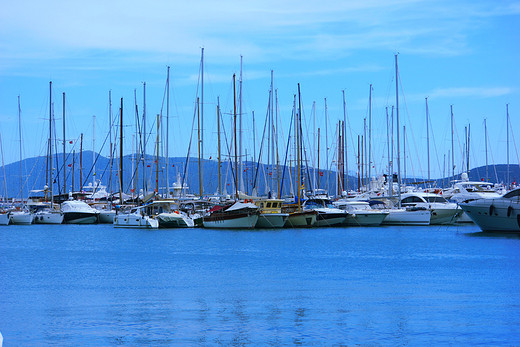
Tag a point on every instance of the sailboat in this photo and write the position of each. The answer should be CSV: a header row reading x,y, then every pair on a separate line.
x,y
299,218
21,215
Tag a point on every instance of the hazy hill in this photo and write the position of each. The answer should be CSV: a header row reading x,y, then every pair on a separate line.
x,y
34,171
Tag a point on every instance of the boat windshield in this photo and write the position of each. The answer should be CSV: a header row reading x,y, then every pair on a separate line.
x,y
512,194
435,199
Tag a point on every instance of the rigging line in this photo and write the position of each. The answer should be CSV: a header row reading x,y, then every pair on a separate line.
x,y
514,142
95,161
287,151
411,128
262,143
434,143
189,147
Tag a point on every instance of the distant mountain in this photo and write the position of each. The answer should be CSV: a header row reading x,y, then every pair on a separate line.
x,y
34,175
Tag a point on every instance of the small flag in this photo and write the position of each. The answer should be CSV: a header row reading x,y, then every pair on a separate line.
x,y
70,142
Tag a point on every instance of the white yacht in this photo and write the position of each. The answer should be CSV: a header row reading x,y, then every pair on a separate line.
x,y
169,215
21,217
48,216
500,214
135,218
402,216
360,213
78,212
239,215
4,218
328,215
442,211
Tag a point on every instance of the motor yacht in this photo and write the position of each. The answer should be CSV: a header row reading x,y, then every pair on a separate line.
x,y
327,214
78,212
442,211
500,214
359,213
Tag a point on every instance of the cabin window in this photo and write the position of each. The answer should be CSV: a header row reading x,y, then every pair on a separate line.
x,y
261,205
268,205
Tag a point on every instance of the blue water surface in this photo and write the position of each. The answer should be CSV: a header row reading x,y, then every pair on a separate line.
x,y
96,285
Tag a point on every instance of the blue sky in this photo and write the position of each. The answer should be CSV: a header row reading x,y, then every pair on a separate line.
x,y
460,53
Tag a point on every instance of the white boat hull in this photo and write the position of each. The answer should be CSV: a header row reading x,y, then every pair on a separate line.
x,y
4,219
21,218
106,216
365,218
271,220
404,217
174,220
499,217
244,222
48,217
444,216
124,220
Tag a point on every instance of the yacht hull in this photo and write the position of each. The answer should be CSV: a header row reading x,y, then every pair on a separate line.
x,y
404,217
304,219
174,220
48,218
365,219
494,215
4,218
79,218
272,220
135,221
21,218
106,216
238,221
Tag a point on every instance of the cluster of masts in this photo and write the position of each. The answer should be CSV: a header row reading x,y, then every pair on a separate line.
x,y
300,180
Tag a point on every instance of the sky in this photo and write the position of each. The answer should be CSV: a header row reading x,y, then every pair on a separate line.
x,y
459,54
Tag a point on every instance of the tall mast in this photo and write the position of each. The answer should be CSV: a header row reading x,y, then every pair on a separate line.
x,y
367,182
199,147
241,171
235,131
218,147
428,137
94,152
276,145
392,153
318,184
157,157
370,137
50,141
167,133
145,134
121,153
271,129
345,138
468,147
388,150
202,114
3,168
111,144
404,151
507,132
452,152
20,137
64,140
298,120
81,163
486,145
397,126
326,144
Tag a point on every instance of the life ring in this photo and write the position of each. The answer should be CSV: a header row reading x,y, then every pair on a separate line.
x,y
509,211
491,209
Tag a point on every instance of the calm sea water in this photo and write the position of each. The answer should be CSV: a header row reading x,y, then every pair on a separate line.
x,y
96,285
